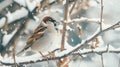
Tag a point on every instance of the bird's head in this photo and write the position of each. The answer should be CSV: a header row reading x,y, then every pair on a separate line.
x,y
49,19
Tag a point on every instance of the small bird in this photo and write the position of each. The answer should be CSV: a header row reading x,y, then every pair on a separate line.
x,y
43,36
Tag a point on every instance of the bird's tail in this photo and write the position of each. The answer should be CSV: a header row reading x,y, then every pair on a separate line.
x,y
20,53
23,50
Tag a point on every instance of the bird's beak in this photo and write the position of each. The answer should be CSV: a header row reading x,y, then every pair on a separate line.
x,y
57,25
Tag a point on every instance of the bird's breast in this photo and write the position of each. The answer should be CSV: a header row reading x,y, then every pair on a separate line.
x,y
44,44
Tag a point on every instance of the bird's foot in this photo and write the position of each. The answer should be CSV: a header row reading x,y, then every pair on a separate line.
x,y
44,56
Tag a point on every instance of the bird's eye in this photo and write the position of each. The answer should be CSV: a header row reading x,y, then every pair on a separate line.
x,y
54,21
55,24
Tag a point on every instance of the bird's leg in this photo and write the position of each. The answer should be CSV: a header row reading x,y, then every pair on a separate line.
x,y
44,56
52,55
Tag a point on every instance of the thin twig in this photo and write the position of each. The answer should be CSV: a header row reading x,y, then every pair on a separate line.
x,y
21,27
83,52
6,4
83,19
75,1
5,27
82,5
63,37
64,29
14,48
1,41
119,63
76,49
93,37
66,10
102,60
101,15
64,25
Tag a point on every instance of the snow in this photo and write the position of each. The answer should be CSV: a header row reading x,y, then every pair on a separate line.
x,y
5,3
14,16
21,2
33,58
64,2
52,1
110,60
28,3
20,13
92,3
2,22
36,19
4,32
31,5
110,37
37,56
7,37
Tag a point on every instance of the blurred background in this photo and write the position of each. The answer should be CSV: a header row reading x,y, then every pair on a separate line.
x,y
91,9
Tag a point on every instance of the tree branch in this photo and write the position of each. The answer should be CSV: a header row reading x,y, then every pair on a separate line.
x,y
20,29
80,7
64,25
13,15
25,60
65,53
75,1
94,36
83,19
101,15
102,60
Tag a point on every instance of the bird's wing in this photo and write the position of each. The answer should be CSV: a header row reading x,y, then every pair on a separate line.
x,y
38,33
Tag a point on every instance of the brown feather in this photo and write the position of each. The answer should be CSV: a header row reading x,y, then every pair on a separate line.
x,y
39,32
33,38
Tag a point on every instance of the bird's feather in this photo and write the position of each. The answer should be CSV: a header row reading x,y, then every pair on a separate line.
x,y
38,33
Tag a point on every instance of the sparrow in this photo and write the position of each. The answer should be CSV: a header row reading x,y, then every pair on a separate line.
x,y
43,36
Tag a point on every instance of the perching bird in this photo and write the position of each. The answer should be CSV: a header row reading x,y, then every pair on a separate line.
x,y
43,36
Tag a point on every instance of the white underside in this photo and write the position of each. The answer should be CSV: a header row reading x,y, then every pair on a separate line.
x,y
43,44
47,42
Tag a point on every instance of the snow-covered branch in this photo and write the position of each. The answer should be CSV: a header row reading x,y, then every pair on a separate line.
x,y
94,36
19,30
98,51
18,14
14,18
64,24
83,19
36,58
5,3
80,8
